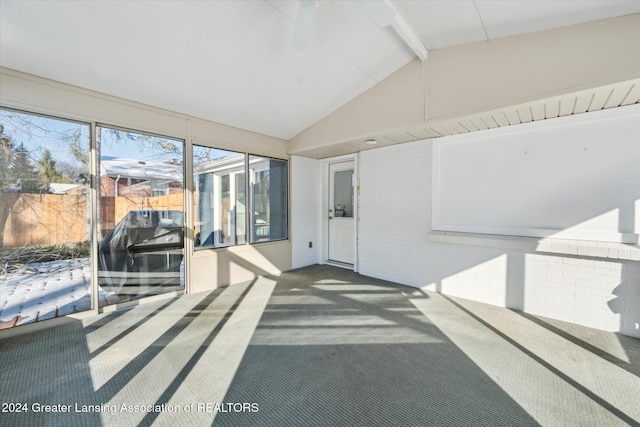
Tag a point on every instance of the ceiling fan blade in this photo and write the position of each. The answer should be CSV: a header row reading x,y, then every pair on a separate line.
x,y
380,12
304,25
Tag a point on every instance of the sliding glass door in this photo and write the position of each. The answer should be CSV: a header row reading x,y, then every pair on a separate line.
x,y
45,218
141,201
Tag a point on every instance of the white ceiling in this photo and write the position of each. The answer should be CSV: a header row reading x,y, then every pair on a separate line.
x,y
232,61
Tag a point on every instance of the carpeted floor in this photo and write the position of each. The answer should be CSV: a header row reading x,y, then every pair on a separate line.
x,y
319,346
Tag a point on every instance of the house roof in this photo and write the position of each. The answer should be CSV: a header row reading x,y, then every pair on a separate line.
x,y
137,169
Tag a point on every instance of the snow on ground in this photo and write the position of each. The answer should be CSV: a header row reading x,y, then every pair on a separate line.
x,y
45,290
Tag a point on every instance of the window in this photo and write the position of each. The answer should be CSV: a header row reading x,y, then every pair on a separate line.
x,y
141,200
45,269
220,193
268,195
49,213
220,187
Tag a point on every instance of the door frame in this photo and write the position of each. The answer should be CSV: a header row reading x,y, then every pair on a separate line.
x,y
324,208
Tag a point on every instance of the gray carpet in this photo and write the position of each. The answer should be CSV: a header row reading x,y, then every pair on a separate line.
x,y
320,346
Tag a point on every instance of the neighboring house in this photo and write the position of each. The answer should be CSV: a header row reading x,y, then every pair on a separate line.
x,y
221,200
137,178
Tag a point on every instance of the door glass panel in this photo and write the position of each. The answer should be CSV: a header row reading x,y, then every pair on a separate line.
x,y
343,193
44,218
141,201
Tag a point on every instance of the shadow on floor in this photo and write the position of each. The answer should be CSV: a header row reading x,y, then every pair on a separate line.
x,y
331,348
334,348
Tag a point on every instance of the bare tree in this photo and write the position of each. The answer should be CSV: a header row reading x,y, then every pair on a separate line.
x,y
6,158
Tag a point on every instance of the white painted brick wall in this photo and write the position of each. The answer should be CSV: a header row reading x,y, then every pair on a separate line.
x,y
394,211
394,227
599,294
305,185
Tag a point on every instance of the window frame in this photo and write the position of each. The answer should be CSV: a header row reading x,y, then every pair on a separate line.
x,y
249,200
97,127
252,199
91,216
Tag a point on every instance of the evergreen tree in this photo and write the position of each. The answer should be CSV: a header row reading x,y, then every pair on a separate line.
x,y
6,157
23,171
47,172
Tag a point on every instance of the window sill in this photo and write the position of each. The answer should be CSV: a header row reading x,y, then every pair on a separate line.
x,y
240,247
582,248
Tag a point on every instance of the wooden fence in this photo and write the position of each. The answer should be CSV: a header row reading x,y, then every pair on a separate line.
x,y
43,219
113,209
51,219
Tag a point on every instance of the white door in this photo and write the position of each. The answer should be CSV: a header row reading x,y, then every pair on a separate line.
x,y
341,212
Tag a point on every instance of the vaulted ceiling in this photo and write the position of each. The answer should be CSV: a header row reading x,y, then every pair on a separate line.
x,y
232,62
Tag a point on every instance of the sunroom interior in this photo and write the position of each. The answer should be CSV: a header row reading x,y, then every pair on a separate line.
x,y
483,150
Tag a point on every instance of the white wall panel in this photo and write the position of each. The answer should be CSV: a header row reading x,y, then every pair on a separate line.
x,y
305,211
394,211
573,177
